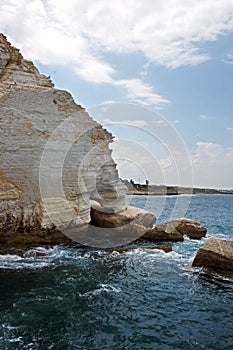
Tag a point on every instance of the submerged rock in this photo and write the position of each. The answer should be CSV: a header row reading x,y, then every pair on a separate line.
x,y
175,230
217,255
166,248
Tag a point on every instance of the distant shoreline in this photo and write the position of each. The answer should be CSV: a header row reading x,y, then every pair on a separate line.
x,y
154,190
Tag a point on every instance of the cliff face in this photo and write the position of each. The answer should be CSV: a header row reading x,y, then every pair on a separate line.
x,y
54,157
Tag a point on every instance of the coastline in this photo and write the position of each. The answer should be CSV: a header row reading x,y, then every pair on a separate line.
x,y
175,190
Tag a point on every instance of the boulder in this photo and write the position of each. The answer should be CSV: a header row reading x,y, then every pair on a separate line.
x,y
102,217
187,227
112,229
216,255
160,233
175,230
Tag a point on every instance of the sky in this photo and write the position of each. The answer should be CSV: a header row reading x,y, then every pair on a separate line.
x,y
157,74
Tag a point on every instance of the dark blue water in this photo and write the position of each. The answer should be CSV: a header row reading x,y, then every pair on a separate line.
x,y
93,299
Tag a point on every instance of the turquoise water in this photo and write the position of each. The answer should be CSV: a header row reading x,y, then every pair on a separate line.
x,y
94,299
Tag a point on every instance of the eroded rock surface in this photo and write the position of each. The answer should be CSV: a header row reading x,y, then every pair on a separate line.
x,y
217,255
159,233
101,217
117,229
187,227
175,230
54,156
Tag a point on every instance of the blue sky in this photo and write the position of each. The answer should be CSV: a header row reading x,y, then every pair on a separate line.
x,y
173,59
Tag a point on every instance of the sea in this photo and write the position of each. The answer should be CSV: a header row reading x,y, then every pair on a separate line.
x,y
96,299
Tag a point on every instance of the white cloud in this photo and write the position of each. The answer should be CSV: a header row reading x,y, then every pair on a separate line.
x,y
143,73
167,33
213,165
160,122
133,122
135,160
206,117
95,71
228,59
166,163
203,116
81,34
109,102
138,91
230,129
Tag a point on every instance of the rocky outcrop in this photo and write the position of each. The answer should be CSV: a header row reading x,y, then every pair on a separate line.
x,y
102,217
160,233
54,157
175,230
117,229
187,227
216,255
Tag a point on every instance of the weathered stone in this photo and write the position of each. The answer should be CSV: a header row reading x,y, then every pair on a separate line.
x,y
102,217
31,238
54,157
160,233
175,230
119,228
217,255
187,227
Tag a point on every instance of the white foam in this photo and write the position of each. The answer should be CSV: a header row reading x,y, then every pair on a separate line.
x,y
15,262
219,236
108,288
16,340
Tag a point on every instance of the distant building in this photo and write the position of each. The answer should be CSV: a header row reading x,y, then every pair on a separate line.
x,y
131,185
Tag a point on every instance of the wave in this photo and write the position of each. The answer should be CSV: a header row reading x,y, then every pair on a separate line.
x,y
103,288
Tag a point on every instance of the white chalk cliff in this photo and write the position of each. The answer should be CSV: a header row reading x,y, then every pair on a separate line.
x,y
54,157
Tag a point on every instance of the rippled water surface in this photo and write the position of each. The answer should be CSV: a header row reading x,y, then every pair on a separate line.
x,y
145,299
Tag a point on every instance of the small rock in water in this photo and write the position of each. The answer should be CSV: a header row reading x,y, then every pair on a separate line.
x,y
159,234
216,255
166,248
175,230
188,227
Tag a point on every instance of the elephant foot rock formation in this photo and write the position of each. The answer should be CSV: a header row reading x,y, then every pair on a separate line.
x,y
175,230
216,255
55,159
